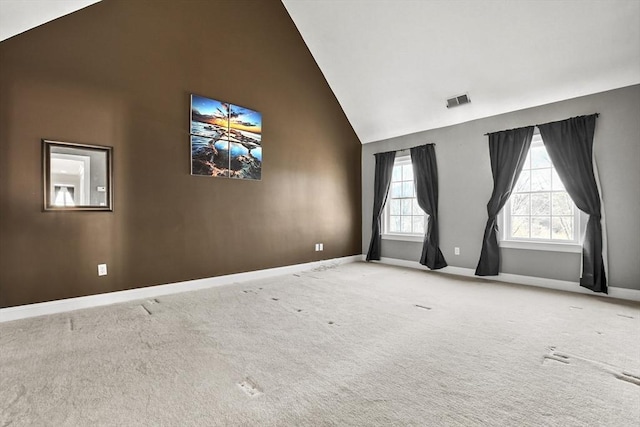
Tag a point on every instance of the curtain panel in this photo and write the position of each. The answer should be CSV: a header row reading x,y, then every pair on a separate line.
x,y
570,147
508,150
425,175
384,169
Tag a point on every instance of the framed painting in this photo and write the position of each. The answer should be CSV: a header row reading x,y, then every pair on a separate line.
x,y
226,140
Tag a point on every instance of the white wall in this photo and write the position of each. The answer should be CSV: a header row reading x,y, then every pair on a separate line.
x,y
465,187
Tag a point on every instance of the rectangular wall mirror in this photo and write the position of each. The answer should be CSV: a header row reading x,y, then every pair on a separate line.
x,y
77,177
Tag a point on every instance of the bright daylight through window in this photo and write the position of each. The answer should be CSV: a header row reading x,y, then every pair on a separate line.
x,y
403,216
540,209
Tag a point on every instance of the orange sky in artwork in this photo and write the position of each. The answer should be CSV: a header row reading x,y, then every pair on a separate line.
x,y
239,126
219,121
234,125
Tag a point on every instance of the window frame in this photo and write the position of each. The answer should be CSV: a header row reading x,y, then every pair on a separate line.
x,y
504,220
386,212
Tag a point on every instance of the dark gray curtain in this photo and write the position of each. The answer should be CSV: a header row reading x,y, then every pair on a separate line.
x,y
508,150
384,169
425,176
570,147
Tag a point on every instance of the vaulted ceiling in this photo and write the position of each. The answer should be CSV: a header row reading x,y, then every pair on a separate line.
x,y
17,16
393,63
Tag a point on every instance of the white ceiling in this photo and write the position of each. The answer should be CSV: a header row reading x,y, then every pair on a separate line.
x,y
67,166
393,63
17,16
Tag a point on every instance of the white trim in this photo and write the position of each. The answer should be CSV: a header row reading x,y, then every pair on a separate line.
x,y
401,161
70,304
540,246
404,237
561,285
505,216
85,193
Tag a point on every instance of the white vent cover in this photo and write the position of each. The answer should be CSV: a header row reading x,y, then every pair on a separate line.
x,y
458,100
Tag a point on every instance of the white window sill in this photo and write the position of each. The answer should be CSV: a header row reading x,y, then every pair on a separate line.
x,y
404,237
541,246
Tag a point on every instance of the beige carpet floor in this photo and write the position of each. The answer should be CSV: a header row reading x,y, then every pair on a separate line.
x,y
354,345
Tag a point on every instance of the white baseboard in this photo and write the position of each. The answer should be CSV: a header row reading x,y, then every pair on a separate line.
x,y
561,285
70,304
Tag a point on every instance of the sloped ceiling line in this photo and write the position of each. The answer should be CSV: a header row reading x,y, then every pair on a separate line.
x,y
392,64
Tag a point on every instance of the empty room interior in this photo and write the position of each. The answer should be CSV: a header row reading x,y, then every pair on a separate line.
x,y
319,213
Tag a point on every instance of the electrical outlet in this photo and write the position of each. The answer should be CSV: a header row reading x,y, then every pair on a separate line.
x,y
456,251
317,247
102,269
322,246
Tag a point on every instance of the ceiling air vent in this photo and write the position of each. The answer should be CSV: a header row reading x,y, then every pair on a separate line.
x,y
458,100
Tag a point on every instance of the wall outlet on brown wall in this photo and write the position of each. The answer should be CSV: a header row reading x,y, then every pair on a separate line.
x,y
102,269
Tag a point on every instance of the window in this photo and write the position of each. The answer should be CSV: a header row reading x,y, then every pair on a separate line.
x,y
539,209
64,195
402,215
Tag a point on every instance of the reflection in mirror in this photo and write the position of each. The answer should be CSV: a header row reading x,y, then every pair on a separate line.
x,y
77,176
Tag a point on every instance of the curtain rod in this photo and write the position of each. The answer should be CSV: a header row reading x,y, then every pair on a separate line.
x,y
409,149
404,149
487,134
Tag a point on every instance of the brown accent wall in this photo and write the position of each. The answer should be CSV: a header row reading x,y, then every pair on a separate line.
x,y
120,73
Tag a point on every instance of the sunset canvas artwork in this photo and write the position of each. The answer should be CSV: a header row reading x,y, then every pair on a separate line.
x,y
226,140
